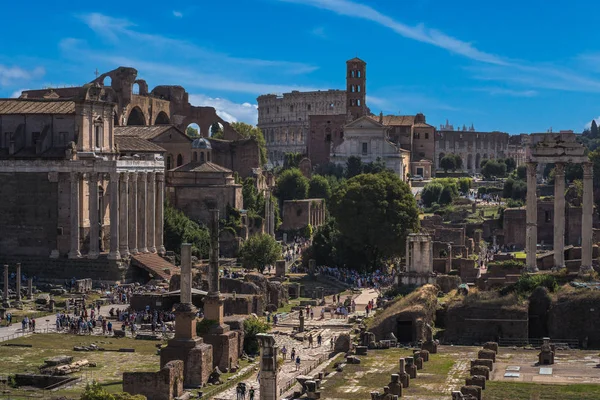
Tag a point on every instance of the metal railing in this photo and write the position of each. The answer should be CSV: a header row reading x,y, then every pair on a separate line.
x,y
537,342
21,333
303,371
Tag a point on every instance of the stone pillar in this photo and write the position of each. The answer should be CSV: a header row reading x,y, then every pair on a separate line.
x,y
114,253
267,211
213,269
186,274
587,217
151,213
559,215
94,222
531,238
271,217
133,213
18,289
160,208
124,215
30,288
5,288
74,216
268,367
142,206
417,255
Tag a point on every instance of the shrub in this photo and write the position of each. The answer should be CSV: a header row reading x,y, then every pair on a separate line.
x,y
203,327
527,283
252,327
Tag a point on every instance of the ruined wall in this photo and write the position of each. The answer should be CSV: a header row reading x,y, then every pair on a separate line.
x,y
478,320
29,216
241,156
514,227
196,202
325,133
574,315
472,147
165,384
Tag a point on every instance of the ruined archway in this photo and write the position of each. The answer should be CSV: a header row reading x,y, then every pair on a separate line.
x,y
136,117
162,119
107,81
216,130
193,131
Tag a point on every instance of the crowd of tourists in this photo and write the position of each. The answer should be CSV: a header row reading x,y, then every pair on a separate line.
x,y
377,279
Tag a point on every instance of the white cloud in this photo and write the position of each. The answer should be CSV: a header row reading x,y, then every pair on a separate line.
x,y
228,110
419,32
177,14
319,31
117,29
497,91
589,124
17,93
11,75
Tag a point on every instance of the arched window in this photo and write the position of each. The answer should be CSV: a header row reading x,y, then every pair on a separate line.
x,y
169,161
98,131
202,157
179,160
195,156
208,156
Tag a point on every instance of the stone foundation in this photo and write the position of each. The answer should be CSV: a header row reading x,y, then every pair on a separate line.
x,y
166,384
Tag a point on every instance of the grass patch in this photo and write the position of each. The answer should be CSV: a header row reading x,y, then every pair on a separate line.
x,y
527,391
374,372
110,365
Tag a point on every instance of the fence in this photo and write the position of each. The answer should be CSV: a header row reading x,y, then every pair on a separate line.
x,y
537,342
20,333
303,371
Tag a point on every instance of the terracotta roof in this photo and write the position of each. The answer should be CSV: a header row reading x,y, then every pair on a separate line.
x,y
23,106
156,265
395,120
423,125
143,132
202,167
355,59
134,144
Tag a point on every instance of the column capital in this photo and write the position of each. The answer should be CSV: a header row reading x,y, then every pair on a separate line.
x,y
588,168
141,176
559,168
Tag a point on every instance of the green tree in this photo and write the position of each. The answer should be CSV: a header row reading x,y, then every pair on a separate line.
x,y
330,169
594,133
291,185
522,172
464,184
252,132
375,167
354,166
292,160
493,168
192,132
431,193
216,132
250,194
458,161
448,162
259,251
375,212
511,164
319,188
178,229
441,191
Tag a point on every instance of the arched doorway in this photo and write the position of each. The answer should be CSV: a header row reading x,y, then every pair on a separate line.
x,y
469,162
478,161
193,130
442,155
162,119
136,117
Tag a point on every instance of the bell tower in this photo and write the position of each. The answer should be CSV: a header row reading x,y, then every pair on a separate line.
x,y
356,88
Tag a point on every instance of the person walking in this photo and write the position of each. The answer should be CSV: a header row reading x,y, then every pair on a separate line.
x,y
319,339
293,354
310,340
251,392
331,342
284,352
297,363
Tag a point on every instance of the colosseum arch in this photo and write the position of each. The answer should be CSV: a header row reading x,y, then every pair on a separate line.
x,y
136,117
162,119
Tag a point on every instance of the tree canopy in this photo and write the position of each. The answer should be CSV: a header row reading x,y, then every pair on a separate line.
x,y
292,185
180,229
441,191
493,168
259,251
375,213
319,188
354,166
451,162
249,131
216,132
192,132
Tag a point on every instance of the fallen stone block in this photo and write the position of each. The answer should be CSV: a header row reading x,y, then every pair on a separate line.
x,y
487,355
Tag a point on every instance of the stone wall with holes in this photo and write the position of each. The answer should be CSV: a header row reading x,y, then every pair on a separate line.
x,y
324,133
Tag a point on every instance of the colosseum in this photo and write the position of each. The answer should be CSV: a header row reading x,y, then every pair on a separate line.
x,y
284,119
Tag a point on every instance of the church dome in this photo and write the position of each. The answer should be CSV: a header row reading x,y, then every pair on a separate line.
x,y
201,143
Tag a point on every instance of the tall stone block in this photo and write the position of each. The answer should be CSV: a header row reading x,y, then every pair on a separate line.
x,y
531,233
18,289
587,217
559,215
268,367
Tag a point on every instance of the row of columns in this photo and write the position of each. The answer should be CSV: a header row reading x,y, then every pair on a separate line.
x,y
18,284
136,213
559,216
317,215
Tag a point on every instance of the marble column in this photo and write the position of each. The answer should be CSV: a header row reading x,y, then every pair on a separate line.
x,y
531,232
160,209
74,216
18,288
142,207
5,288
587,217
133,213
113,188
559,215
123,215
151,213
94,223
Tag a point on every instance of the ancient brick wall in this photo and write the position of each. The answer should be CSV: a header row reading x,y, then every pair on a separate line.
x,y
196,202
29,216
325,131
165,384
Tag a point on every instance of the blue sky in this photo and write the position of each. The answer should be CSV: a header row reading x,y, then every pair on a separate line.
x,y
514,66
